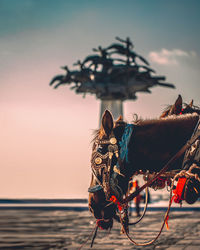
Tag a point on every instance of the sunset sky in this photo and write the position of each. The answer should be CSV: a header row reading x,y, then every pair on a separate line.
x,y
45,134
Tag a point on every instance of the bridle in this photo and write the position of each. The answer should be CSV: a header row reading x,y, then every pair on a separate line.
x,y
103,170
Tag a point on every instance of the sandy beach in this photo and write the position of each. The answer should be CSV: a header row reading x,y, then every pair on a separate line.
x,y
59,229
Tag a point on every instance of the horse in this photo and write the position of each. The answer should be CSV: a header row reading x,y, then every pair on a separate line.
x,y
122,150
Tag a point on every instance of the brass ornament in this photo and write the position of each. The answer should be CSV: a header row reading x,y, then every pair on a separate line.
x,y
98,160
113,140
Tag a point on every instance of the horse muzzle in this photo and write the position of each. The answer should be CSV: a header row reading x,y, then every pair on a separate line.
x,y
103,210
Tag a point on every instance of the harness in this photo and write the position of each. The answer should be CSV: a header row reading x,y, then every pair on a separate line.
x,y
105,174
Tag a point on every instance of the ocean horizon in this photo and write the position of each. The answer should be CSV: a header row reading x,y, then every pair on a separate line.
x,y
81,204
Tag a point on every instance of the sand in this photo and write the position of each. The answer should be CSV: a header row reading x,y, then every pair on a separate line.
x,y
59,229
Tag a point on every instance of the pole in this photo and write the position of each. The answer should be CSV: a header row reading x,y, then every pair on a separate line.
x,y
114,106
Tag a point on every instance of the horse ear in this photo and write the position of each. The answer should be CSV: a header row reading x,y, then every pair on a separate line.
x,y
107,122
178,105
119,119
190,104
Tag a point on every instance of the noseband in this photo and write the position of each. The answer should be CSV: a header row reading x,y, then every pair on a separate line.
x,y
102,168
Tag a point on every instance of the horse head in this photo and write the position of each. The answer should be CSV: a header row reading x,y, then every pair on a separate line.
x,y
180,108
108,178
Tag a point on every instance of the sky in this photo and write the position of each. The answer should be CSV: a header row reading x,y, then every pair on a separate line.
x,y
45,134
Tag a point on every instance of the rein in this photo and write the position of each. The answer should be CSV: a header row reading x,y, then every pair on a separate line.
x,y
144,210
162,226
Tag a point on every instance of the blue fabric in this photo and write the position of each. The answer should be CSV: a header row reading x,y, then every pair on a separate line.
x,y
125,141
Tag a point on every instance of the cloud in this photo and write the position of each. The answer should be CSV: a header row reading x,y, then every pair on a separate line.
x,y
170,57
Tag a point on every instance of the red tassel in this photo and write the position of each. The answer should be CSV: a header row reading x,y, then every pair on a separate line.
x,y
99,223
177,197
114,200
181,111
